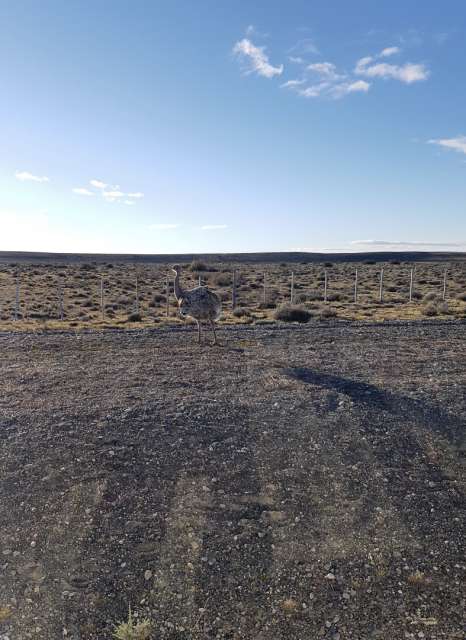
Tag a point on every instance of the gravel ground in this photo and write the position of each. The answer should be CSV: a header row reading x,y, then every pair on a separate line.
x,y
291,483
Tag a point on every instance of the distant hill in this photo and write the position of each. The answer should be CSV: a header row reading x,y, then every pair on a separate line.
x,y
121,258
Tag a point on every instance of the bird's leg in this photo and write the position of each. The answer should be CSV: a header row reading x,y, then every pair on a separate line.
x,y
212,324
198,331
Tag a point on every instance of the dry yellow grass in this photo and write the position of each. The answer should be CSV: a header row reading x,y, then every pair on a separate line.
x,y
135,295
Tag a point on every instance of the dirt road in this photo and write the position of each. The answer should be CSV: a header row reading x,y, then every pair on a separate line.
x,y
292,483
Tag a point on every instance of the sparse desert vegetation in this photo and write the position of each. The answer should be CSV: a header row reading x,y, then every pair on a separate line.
x,y
110,294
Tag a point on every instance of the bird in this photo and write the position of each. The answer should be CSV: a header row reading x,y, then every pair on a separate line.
x,y
199,303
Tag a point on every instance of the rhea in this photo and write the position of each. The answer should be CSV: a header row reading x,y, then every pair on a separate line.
x,y
199,303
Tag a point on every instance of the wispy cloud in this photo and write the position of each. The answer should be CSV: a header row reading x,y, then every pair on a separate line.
x,y
389,51
407,72
161,226
326,70
98,184
345,88
255,59
291,84
304,46
213,227
25,176
82,191
407,243
323,78
455,144
109,192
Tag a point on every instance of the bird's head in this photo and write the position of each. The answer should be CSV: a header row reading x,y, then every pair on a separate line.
x,y
176,269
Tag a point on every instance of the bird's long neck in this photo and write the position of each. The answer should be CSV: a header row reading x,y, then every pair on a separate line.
x,y
178,288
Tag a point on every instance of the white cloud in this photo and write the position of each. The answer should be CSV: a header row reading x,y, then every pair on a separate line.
x,y
389,51
129,202
82,191
406,243
25,176
164,226
344,88
296,59
325,69
314,91
407,73
98,184
212,227
257,59
456,144
290,84
137,194
113,195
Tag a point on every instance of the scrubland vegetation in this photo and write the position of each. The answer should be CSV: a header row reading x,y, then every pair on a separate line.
x,y
35,296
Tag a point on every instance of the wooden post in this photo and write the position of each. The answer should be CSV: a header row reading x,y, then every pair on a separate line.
x,y
411,277
233,293
137,296
292,288
102,307
167,295
265,290
325,286
200,281
381,286
17,298
356,286
444,285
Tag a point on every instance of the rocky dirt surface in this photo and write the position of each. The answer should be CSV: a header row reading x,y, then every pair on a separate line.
x,y
292,483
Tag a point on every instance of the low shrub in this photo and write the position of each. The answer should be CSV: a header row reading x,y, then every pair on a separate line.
x,y
134,317
430,309
198,265
222,279
292,313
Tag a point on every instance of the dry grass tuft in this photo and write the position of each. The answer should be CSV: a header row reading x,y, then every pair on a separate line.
x,y
131,630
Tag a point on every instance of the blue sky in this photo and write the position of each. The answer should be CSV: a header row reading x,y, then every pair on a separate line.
x,y
182,126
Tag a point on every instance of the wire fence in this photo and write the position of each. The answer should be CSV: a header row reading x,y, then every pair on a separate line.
x,y
90,294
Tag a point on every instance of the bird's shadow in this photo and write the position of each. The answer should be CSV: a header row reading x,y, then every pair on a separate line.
x,y
431,415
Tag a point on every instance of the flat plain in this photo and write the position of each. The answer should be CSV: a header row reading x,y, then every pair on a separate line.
x,y
78,292
302,481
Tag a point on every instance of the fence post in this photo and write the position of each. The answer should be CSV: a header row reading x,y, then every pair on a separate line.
x,y
444,285
325,286
292,288
167,296
411,277
137,296
265,290
356,286
381,286
60,299
233,293
17,297
102,307
200,281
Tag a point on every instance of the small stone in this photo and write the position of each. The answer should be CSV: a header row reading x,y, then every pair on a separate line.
x,y
330,576
147,574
